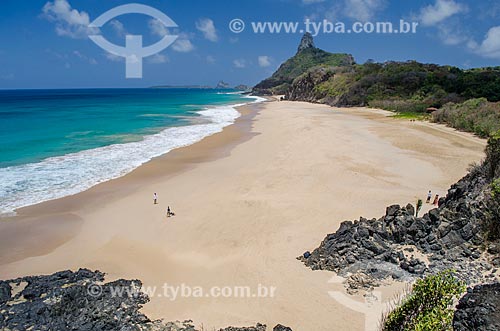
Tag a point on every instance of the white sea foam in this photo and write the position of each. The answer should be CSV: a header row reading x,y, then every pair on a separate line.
x,y
60,176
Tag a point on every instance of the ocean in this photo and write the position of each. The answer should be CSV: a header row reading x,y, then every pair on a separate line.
x,y
55,143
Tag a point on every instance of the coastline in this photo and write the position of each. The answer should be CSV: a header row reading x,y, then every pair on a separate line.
x,y
36,223
248,201
76,170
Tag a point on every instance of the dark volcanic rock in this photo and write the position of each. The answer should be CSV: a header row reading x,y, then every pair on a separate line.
x,y
62,301
479,309
258,327
80,301
450,236
5,292
306,42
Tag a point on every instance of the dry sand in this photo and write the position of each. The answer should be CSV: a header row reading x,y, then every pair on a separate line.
x,y
248,201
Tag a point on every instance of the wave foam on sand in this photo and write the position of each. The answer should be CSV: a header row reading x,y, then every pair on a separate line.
x,y
60,176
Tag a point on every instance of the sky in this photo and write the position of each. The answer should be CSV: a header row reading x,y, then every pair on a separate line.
x,y
45,44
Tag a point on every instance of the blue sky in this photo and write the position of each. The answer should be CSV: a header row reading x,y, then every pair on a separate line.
x,y
45,44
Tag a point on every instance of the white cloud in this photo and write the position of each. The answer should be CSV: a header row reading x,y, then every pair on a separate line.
x,y
183,45
207,27
69,22
264,61
60,56
362,10
114,58
210,59
440,11
239,63
84,57
118,27
490,46
158,59
157,28
452,34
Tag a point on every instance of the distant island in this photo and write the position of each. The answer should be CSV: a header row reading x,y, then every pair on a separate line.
x,y
183,86
221,85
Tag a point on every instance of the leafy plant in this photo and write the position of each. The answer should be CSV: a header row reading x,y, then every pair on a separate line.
x,y
419,207
428,306
475,115
495,188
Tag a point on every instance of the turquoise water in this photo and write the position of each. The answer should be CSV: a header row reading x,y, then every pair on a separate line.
x,y
55,143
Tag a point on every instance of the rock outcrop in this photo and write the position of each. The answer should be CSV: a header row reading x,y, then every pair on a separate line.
x,y
222,85
81,301
306,42
325,85
456,235
479,309
242,87
307,57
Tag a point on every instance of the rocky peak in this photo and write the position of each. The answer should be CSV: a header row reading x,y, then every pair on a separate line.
x,y
222,85
306,42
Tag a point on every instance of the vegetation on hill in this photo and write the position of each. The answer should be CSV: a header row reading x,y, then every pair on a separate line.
x,y
475,115
468,99
307,57
492,169
399,86
428,306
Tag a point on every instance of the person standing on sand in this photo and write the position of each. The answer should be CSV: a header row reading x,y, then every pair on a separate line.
x,y
155,198
429,196
436,200
168,211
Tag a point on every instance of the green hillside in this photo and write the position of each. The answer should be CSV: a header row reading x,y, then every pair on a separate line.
x,y
307,57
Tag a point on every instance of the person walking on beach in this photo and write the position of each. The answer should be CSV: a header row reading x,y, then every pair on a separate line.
x,y
155,198
429,196
436,200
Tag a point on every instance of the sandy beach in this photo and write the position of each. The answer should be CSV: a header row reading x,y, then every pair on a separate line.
x,y
248,201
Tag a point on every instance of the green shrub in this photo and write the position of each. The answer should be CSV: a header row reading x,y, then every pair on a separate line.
x,y
428,306
495,188
400,106
493,203
476,115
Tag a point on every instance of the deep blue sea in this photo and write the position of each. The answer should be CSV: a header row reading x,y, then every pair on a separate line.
x,y
55,143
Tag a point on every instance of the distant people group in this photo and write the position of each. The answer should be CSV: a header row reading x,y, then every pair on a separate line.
x,y
435,202
155,202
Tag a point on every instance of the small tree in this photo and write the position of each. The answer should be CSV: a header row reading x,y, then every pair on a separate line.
x,y
419,207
